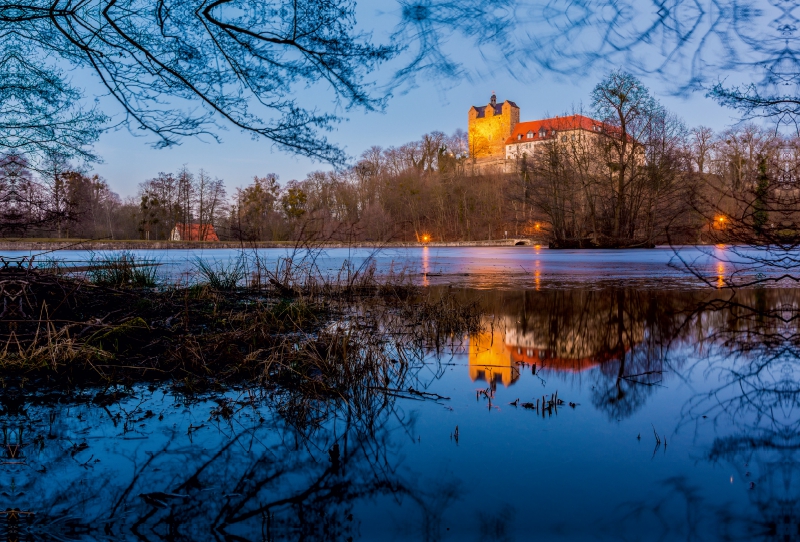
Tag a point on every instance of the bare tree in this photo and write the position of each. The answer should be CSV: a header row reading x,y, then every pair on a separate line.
x,y
701,144
182,68
627,109
40,114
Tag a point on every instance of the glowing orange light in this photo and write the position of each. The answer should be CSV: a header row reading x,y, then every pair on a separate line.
x,y
537,247
426,238
538,226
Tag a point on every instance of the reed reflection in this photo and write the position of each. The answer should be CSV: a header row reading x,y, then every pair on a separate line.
x,y
426,265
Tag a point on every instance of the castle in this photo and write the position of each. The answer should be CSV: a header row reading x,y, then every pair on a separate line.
x,y
497,138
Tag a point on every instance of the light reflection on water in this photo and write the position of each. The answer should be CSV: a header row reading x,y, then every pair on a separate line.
x,y
716,379
483,267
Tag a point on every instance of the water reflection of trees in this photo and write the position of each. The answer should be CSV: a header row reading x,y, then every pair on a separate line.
x,y
748,346
157,467
624,333
753,355
634,338
751,349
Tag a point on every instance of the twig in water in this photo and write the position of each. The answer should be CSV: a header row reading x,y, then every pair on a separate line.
x,y
658,439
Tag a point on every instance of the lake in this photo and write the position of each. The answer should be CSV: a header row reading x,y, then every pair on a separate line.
x,y
483,267
594,405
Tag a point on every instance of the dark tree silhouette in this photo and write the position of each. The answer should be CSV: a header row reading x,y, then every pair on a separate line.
x,y
184,68
42,128
743,54
756,216
188,68
40,116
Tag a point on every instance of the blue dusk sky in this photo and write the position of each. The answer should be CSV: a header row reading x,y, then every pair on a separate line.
x,y
431,103
128,160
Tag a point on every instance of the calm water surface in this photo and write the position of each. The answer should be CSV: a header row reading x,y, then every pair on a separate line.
x,y
485,267
715,377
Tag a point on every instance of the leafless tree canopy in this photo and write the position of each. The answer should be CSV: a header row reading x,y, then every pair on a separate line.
x,y
744,54
679,185
182,68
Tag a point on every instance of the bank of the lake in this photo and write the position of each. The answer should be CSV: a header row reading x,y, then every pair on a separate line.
x,y
34,244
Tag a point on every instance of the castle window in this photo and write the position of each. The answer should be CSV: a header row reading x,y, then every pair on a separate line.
x,y
530,135
542,132
519,137
564,138
574,137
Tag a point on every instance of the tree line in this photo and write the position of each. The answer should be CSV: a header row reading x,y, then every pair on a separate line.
x,y
185,69
643,178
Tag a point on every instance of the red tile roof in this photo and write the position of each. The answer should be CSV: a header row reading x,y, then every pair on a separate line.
x,y
559,124
191,232
545,358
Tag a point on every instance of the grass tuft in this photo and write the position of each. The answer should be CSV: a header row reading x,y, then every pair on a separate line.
x,y
222,276
123,269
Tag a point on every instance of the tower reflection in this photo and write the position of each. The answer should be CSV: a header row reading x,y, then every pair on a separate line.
x,y
562,331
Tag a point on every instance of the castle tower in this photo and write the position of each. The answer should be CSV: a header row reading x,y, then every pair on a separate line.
x,y
489,126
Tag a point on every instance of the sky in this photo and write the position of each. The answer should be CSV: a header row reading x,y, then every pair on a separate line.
x,y
431,104
128,160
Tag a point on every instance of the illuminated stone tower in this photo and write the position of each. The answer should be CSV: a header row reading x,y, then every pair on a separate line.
x,y
489,127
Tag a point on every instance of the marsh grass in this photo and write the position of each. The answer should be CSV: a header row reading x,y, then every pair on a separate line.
x,y
348,339
52,265
220,275
122,269
299,274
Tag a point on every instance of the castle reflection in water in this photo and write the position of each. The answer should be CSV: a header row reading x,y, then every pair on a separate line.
x,y
499,356
566,332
